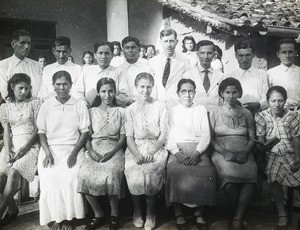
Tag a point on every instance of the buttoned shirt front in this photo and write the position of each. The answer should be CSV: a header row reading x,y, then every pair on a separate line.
x,y
47,89
289,78
254,84
13,65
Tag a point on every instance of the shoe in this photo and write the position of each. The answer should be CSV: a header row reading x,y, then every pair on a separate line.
x,y
138,222
200,225
150,223
95,223
8,218
182,226
114,223
282,227
235,224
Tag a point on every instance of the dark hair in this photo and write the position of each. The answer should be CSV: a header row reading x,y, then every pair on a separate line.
x,y
87,52
153,47
230,82
60,74
167,32
130,39
143,46
183,81
184,50
19,33
62,41
98,44
15,79
42,56
116,43
219,51
278,89
244,44
100,83
205,43
143,75
285,41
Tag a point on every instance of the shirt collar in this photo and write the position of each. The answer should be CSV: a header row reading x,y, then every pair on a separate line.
x,y
285,68
17,60
71,101
99,70
66,64
165,57
201,69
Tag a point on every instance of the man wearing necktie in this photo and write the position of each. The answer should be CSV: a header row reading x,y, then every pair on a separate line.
x,y
206,78
19,63
168,67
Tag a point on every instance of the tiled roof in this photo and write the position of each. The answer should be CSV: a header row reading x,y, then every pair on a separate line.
x,y
255,14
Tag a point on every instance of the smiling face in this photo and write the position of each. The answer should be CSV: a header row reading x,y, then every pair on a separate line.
x,y
244,58
21,91
61,54
150,52
103,56
276,103
206,54
186,94
230,95
144,88
287,54
62,87
169,44
22,46
107,94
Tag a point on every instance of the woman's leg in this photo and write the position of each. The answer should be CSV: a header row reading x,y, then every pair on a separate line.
x,y
178,213
245,196
278,196
137,206
232,193
150,201
3,179
93,201
113,200
199,214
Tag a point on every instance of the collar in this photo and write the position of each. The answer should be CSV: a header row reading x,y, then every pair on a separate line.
x,y
285,112
67,64
71,101
99,70
201,69
164,57
17,60
246,70
285,68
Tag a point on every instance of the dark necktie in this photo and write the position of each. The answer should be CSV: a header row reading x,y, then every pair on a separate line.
x,y
166,72
206,82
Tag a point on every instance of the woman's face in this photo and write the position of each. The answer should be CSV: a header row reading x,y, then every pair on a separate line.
x,y
230,95
107,94
116,50
186,94
189,45
142,52
21,91
276,103
62,87
150,52
88,59
144,88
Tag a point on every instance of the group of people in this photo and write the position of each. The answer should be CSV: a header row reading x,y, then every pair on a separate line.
x,y
150,124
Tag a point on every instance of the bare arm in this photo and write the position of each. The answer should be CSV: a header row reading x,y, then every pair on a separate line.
x,y
78,146
7,141
116,148
48,161
134,150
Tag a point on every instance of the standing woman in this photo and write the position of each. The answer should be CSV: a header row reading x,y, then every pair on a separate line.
x,y
19,155
63,123
145,157
102,171
190,174
233,129
283,159
87,59
189,50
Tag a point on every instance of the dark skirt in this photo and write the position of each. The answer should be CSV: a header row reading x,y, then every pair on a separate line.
x,y
190,184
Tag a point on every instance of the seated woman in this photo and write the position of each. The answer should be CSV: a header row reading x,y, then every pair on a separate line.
x,y
102,171
190,175
282,159
63,124
19,155
145,157
233,129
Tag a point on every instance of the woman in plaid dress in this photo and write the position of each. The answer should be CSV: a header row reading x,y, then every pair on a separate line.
x,y
283,159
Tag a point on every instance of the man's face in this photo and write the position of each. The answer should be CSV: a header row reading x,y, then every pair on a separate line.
x,y
287,54
22,46
103,56
244,58
169,44
206,54
62,54
131,52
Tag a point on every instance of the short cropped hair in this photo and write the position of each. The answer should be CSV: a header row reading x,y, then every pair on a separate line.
x,y
244,44
285,41
205,43
167,32
98,44
19,33
230,82
130,39
278,89
62,41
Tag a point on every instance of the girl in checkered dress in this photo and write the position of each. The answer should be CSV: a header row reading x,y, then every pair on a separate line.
x,y
283,158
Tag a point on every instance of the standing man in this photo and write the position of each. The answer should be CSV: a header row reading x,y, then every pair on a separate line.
x,y
254,81
206,78
85,87
19,63
287,74
168,68
61,51
132,65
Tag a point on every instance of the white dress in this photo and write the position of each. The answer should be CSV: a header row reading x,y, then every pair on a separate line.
x,y
62,124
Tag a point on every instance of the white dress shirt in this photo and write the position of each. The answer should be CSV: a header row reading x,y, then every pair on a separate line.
x,y
289,78
47,89
86,85
254,84
12,65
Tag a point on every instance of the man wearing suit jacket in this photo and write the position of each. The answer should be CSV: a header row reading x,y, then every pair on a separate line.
x,y
168,68
206,78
